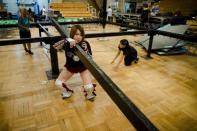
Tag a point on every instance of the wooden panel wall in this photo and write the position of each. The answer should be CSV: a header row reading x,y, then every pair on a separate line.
x,y
185,6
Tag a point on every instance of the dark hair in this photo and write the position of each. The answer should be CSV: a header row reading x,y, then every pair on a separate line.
x,y
74,30
124,42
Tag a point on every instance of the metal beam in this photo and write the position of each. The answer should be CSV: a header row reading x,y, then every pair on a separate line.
x,y
53,55
93,35
103,21
126,25
133,114
178,36
62,31
108,34
49,23
44,30
28,40
5,42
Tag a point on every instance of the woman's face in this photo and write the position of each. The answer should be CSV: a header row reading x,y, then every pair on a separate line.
x,y
24,13
122,46
78,36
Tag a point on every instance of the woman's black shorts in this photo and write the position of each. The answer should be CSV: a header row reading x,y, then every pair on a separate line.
x,y
128,60
25,34
78,69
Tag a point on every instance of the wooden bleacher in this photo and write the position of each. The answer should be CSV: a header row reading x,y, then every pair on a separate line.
x,y
72,9
186,7
1,7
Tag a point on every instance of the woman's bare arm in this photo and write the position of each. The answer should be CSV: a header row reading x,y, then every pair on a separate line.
x,y
121,59
58,45
118,53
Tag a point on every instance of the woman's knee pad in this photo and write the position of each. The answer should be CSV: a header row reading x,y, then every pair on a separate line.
x,y
58,83
62,86
89,91
89,87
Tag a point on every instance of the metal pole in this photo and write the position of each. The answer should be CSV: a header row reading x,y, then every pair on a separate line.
x,y
40,35
150,44
53,54
40,32
103,22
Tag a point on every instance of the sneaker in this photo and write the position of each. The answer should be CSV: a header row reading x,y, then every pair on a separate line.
x,y
89,93
66,91
66,94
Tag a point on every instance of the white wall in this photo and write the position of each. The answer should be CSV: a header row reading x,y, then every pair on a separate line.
x,y
110,2
43,3
12,7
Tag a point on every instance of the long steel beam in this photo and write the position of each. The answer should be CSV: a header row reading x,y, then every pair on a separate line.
x,y
130,110
5,42
175,35
49,23
53,55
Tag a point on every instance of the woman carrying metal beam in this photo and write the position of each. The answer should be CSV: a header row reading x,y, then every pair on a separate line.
x,y
73,63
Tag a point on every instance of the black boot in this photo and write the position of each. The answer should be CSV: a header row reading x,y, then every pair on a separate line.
x,y
136,60
26,50
30,52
